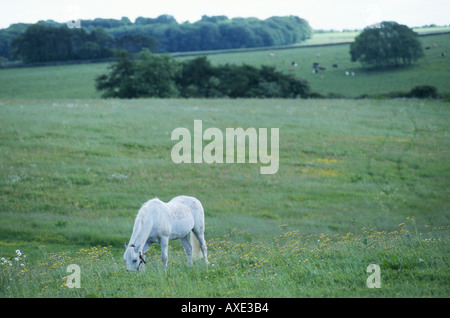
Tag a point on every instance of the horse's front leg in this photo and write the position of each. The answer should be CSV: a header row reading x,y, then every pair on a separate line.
x,y
164,250
147,246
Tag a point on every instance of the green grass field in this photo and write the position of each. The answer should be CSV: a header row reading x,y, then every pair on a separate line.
x,y
360,182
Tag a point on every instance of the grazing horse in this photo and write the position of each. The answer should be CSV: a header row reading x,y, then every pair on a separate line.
x,y
159,222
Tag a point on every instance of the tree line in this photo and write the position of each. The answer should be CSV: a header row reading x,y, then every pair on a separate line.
x,y
49,41
46,43
161,76
220,32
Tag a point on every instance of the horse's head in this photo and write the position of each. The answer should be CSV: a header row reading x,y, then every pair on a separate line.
x,y
133,258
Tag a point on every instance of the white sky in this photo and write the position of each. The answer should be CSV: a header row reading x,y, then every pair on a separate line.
x,y
321,14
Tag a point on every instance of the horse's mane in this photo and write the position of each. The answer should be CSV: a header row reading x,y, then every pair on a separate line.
x,y
145,208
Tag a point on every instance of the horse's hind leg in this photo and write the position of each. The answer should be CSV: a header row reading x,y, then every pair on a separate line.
x,y
164,242
187,248
201,239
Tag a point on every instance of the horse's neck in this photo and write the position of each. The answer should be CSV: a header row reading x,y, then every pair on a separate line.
x,y
141,234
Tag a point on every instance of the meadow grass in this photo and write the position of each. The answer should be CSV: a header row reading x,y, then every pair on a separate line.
x,y
291,265
360,182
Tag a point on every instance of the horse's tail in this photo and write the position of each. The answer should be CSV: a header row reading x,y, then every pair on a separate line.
x,y
196,249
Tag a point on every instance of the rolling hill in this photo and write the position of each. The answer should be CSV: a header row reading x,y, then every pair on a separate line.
x,y
77,81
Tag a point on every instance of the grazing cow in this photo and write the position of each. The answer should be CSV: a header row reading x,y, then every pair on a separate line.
x,y
335,65
294,64
271,54
443,54
322,68
353,73
347,73
427,48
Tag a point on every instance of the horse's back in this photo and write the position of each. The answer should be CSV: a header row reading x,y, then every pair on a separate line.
x,y
153,209
195,206
192,203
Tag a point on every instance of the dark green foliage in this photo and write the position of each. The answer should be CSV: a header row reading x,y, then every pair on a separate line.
x,y
250,82
424,91
155,75
200,79
136,42
389,44
218,32
46,43
197,79
162,19
421,91
120,81
148,76
51,41
6,37
162,76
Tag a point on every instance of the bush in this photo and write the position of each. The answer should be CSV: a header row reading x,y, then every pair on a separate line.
x,y
200,79
424,91
162,76
421,91
446,97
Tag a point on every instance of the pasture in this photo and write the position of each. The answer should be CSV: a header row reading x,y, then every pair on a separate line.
x,y
360,182
433,69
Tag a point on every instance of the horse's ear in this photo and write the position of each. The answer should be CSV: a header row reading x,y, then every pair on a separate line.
x,y
126,245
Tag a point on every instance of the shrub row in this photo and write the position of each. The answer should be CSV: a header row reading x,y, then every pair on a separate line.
x,y
162,76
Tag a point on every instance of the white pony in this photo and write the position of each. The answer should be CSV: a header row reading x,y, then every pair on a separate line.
x,y
159,222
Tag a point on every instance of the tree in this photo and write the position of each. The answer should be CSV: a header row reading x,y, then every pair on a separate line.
x,y
47,43
7,36
120,81
41,43
155,75
387,44
103,39
149,75
194,80
135,43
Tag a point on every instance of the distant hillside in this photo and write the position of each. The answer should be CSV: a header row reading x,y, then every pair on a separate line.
x,y
51,41
78,81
